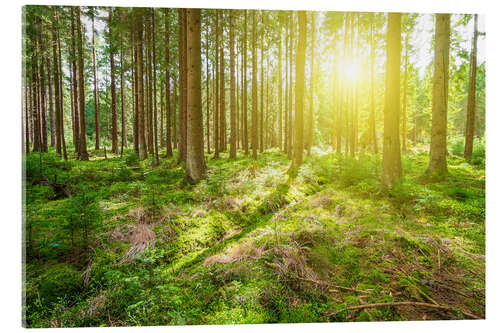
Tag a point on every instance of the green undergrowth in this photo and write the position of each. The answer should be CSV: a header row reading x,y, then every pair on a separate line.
x,y
130,243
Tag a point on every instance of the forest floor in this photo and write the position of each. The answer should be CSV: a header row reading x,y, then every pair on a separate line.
x,y
249,244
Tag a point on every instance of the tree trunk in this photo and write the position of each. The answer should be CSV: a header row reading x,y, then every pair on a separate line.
x,y
96,89
391,161
245,99
405,98
471,98
254,86
195,166
76,107
155,109
437,158
310,129
182,85
261,109
51,107
114,117
232,97
373,129
82,152
291,130
298,144
222,93
207,89
168,110
280,95
141,142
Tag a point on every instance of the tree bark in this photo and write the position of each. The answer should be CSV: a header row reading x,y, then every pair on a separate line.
x,y
195,166
437,159
82,152
168,110
298,144
96,89
391,160
141,142
471,97
254,86
232,97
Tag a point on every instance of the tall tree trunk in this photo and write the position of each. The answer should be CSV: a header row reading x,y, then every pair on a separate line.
x,y
291,130
310,129
195,166
42,92
245,99
174,115
61,125
155,110
76,112
373,129
83,154
57,91
261,108
149,91
168,110
207,45
222,93
298,144
217,81
114,117
405,98
280,95
437,158
232,97
51,107
254,86
96,89
391,161
287,82
122,102
182,85
471,97
141,142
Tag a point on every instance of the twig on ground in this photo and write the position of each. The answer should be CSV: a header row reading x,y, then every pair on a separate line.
x,y
406,303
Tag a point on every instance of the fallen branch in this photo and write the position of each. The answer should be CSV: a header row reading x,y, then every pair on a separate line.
x,y
407,303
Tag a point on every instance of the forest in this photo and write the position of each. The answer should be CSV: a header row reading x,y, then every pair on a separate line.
x,y
187,166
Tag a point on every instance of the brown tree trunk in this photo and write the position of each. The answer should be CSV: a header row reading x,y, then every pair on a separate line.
x,y
391,160
255,143
222,93
261,109
51,107
141,142
405,98
168,110
298,144
310,123
280,95
195,166
57,90
287,83
207,90
291,130
96,89
373,129
217,81
245,99
471,97
76,113
182,85
42,92
437,158
232,97
82,152
114,117
155,109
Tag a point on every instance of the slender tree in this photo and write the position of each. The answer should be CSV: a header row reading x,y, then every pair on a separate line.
x,y
298,144
96,86
195,166
471,97
391,160
232,97
437,158
82,151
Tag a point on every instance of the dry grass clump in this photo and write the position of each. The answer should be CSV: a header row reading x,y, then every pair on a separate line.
x,y
320,199
141,235
246,251
290,263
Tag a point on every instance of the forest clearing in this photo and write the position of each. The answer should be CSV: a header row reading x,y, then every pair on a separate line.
x,y
217,166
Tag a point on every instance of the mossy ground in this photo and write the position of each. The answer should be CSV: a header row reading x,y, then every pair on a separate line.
x,y
250,245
